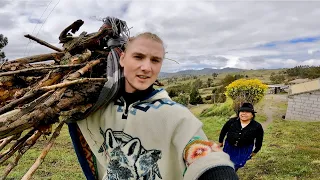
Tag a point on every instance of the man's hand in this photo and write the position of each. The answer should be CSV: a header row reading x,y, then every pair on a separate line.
x,y
216,147
220,144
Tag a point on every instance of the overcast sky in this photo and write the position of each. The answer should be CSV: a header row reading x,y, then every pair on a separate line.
x,y
197,34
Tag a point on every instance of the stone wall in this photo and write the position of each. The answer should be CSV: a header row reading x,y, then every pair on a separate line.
x,y
304,107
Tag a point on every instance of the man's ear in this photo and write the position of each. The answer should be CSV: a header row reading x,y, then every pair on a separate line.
x,y
122,59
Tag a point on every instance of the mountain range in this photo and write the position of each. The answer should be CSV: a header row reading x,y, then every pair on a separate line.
x,y
198,72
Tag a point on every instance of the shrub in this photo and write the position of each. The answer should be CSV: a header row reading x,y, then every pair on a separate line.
x,y
245,90
182,99
195,97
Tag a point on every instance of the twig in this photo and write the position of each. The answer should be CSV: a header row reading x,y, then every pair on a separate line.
x,y
20,100
26,146
38,68
38,58
6,141
15,147
44,153
42,42
69,83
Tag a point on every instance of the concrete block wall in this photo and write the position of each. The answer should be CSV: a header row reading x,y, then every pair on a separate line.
x,y
304,107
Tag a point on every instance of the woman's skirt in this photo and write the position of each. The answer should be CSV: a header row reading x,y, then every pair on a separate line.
x,y
238,155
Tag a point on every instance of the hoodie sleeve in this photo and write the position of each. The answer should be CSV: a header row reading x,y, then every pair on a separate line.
x,y
195,150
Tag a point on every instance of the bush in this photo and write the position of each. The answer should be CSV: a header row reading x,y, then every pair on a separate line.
x,y
208,97
182,99
277,78
195,97
224,110
218,98
245,90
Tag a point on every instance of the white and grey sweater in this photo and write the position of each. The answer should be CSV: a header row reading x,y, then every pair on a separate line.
x,y
152,138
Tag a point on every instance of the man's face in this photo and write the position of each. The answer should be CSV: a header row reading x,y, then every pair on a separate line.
x,y
142,62
245,116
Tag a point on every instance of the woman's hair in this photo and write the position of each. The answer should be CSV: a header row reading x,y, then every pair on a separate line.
x,y
147,35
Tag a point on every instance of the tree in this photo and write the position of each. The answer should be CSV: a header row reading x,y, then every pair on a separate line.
x,y
195,97
209,82
277,78
3,43
182,99
245,90
197,84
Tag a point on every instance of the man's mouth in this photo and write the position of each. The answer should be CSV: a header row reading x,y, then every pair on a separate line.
x,y
143,77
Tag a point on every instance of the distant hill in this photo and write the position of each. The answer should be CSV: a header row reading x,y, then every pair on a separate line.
x,y
204,71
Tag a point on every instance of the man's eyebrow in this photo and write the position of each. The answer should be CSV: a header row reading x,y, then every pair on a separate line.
x,y
138,53
141,54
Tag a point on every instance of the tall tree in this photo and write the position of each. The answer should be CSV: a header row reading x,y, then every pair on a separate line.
x,y
3,43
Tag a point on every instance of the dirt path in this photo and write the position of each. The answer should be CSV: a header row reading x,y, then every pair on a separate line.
x,y
268,108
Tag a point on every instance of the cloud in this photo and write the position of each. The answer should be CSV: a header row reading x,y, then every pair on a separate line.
x,y
197,34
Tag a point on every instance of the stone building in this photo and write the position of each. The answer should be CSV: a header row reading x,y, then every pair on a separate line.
x,y
304,101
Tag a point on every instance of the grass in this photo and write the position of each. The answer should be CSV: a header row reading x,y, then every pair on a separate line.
x,y
60,162
290,151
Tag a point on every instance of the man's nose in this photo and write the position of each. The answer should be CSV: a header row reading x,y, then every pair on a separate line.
x,y
146,65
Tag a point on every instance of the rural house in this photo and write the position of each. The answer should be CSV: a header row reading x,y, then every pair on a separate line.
x,y
304,101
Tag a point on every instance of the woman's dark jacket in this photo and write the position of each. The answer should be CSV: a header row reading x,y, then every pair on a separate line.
x,y
238,136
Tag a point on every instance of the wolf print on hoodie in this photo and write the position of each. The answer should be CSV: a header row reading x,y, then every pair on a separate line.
x,y
127,157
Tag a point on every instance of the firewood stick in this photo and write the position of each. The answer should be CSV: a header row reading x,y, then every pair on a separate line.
x,y
69,83
85,69
15,147
21,100
38,58
16,124
38,68
26,146
33,93
42,42
44,153
6,141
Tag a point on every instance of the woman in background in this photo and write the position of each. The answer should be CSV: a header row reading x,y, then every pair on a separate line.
x,y
243,134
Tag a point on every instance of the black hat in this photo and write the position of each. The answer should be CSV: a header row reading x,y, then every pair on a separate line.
x,y
247,107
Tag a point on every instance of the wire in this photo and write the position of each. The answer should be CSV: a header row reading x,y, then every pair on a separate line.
x,y
47,18
36,26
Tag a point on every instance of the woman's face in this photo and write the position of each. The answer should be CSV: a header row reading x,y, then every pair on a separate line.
x,y
245,116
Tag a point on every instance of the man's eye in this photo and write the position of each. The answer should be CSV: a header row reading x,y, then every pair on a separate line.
x,y
155,60
137,57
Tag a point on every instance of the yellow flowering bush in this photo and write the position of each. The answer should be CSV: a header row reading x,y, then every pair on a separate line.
x,y
245,90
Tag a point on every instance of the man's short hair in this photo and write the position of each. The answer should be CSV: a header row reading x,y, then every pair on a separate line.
x,y
147,35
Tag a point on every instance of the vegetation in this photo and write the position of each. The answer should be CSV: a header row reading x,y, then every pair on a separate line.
x,y
310,72
195,97
3,43
277,78
245,90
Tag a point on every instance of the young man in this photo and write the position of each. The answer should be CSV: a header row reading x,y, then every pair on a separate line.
x,y
143,134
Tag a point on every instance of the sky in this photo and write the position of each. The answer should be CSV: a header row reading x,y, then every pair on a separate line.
x,y
197,34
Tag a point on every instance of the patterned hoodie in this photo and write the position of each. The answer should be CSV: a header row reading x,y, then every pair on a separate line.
x,y
154,138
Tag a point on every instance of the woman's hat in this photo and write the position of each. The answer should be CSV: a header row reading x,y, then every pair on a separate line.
x,y
247,107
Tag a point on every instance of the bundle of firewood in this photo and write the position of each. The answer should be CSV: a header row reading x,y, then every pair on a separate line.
x,y
39,91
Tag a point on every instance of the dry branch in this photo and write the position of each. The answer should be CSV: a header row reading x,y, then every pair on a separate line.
x,y
33,70
6,141
44,153
25,147
42,42
69,83
39,58
16,146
